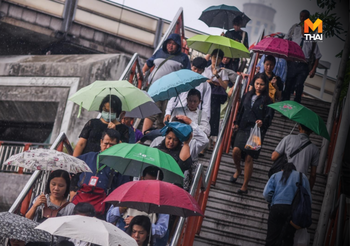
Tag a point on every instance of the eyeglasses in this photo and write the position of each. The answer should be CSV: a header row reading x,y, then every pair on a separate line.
x,y
108,144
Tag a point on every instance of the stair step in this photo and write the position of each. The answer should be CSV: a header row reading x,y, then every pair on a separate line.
x,y
232,219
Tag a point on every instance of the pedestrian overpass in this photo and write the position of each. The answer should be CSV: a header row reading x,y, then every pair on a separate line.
x,y
229,219
79,27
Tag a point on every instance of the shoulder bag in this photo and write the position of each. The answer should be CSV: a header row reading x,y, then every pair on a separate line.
x,y
277,164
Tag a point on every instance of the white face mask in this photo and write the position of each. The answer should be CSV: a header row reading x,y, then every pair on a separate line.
x,y
105,116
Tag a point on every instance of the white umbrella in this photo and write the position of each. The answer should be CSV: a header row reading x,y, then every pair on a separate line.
x,y
47,160
88,229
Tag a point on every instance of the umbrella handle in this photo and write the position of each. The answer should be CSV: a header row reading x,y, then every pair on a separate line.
x,y
293,128
180,102
110,106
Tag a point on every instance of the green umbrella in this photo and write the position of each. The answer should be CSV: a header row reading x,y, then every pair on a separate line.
x,y
207,43
302,115
131,159
91,96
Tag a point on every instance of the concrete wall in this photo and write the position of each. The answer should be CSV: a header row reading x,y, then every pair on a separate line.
x,y
55,78
11,184
52,78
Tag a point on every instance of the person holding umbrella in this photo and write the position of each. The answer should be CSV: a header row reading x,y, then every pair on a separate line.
x,y
307,157
139,229
93,187
198,66
54,202
252,110
218,81
122,216
89,138
238,35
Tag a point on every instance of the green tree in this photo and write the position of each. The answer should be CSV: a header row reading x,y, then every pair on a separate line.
x,y
331,22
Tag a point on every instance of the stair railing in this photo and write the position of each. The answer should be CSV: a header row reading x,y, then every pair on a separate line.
x,y
133,72
9,148
37,181
187,229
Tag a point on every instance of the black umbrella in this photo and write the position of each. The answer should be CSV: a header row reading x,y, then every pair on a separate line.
x,y
13,226
222,16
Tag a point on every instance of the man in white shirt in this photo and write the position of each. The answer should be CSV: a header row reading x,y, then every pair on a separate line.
x,y
298,71
198,66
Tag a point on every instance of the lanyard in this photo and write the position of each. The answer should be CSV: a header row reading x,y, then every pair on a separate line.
x,y
98,168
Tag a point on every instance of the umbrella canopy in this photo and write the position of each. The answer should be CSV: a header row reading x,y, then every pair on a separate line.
x,y
207,43
91,96
281,48
144,110
131,159
17,227
47,160
88,229
302,115
155,196
222,16
271,35
171,85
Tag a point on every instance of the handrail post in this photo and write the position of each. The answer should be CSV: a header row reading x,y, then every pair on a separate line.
x,y
340,225
193,189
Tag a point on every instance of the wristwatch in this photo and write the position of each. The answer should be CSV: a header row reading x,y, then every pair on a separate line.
x,y
217,76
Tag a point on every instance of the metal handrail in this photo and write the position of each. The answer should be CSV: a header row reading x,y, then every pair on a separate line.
x,y
206,181
180,224
23,143
129,66
170,29
60,140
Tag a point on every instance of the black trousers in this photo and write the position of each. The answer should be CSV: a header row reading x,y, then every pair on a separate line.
x,y
279,230
296,76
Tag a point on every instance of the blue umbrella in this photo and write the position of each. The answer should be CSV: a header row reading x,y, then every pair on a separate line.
x,y
173,84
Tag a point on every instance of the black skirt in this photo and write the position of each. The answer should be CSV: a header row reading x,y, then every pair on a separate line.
x,y
240,140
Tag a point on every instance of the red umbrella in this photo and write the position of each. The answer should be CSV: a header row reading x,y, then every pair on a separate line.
x,y
272,35
281,48
155,196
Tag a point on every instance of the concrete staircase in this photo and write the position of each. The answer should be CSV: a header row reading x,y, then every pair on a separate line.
x,y
232,219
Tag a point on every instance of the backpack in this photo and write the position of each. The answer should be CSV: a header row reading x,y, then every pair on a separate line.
x,y
278,164
301,207
92,195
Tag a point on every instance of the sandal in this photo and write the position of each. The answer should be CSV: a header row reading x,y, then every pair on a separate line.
x,y
242,192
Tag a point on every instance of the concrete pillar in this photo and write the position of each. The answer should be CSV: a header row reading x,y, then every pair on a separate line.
x,y
333,176
68,14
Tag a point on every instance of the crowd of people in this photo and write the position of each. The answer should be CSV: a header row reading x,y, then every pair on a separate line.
x,y
201,110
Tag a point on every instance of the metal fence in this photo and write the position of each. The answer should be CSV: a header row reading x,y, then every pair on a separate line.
x,y
9,148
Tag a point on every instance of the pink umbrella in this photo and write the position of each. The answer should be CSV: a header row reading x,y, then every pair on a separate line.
x,y
155,196
281,48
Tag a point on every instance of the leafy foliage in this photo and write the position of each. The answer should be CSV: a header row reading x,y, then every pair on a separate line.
x,y
331,22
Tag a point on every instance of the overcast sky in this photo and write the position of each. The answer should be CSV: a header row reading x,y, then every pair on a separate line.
x,y
287,14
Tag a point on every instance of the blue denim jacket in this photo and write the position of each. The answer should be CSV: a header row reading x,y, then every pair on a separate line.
x,y
276,192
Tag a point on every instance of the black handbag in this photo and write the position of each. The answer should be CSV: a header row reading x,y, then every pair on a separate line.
x,y
218,92
278,164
